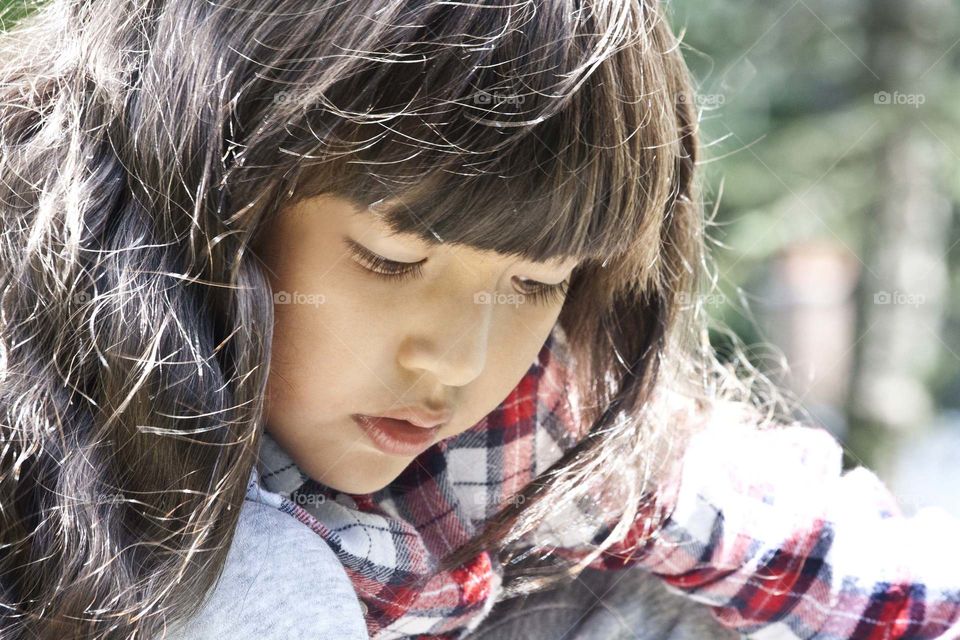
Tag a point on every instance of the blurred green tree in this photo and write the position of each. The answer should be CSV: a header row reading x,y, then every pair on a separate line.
x,y
836,122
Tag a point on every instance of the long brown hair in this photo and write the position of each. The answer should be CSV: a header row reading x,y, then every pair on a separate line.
x,y
145,144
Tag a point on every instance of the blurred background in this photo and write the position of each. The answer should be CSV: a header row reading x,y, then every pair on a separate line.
x,y
832,175
832,170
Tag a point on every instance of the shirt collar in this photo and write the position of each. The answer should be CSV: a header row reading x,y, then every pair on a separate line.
x,y
278,472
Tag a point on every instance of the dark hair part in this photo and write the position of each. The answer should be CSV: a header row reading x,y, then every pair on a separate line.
x,y
145,144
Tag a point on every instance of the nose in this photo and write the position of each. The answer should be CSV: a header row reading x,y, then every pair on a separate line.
x,y
450,342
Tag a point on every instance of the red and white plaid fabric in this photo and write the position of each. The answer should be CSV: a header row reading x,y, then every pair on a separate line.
x,y
767,530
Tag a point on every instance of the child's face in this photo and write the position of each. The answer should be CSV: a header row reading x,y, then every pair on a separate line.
x,y
347,341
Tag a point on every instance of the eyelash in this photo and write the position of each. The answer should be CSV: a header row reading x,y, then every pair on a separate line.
x,y
549,293
384,268
399,272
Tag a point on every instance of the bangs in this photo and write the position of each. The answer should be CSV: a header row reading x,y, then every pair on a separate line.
x,y
521,129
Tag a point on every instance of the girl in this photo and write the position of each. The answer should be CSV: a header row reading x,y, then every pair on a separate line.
x,y
423,276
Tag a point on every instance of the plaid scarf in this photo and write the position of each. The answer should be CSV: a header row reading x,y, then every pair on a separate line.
x,y
766,529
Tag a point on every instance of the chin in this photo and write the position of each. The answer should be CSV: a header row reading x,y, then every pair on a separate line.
x,y
363,485
367,472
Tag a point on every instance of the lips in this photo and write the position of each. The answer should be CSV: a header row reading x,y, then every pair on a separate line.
x,y
396,437
418,415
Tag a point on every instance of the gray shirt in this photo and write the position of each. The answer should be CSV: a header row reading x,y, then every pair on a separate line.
x,y
281,580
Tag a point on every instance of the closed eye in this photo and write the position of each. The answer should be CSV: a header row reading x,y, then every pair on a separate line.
x,y
384,267
539,292
546,293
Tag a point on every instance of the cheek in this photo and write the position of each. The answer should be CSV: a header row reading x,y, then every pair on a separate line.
x,y
310,372
514,348
329,352
290,373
